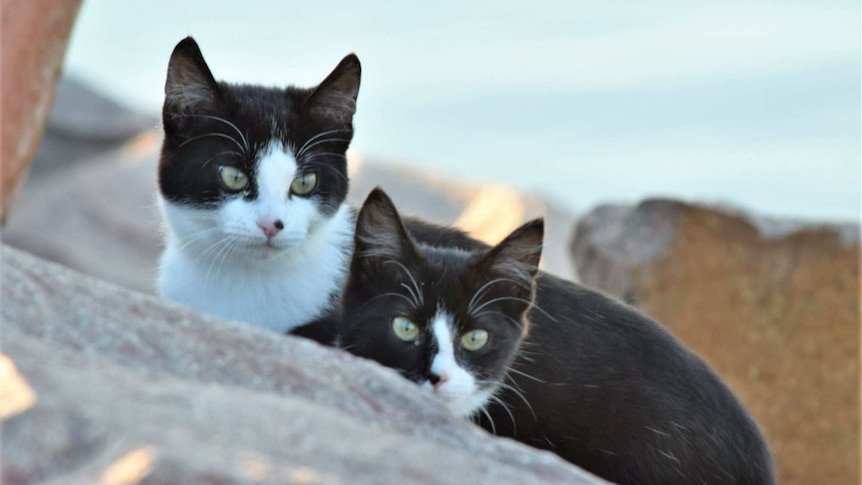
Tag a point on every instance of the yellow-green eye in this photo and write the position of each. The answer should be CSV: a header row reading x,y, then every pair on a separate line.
x,y
404,329
233,178
474,339
304,184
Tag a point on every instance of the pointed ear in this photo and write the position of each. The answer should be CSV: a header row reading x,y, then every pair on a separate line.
x,y
190,86
518,255
335,97
379,230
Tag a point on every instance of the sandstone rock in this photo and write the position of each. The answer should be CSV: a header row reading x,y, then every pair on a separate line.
x,y
772,305
33,37
129,389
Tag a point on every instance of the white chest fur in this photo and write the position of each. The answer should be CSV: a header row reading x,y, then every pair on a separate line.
x,y
278,292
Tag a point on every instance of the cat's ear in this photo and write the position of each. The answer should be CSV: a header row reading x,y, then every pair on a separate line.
x,y
380,234
335,97
518,255
190,86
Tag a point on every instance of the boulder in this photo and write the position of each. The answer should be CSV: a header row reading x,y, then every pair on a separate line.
x,y
105,385
771,304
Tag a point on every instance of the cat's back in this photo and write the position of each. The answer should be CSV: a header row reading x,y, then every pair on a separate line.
x,y
619,395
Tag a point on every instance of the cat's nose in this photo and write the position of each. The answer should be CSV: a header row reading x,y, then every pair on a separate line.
x,y
438,380
270,228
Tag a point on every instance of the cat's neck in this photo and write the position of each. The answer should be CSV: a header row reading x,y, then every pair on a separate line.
x,y
279,292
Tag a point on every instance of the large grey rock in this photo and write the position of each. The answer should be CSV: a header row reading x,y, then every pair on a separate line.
x,y
129,389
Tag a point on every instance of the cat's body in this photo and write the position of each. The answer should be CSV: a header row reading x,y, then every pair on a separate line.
x,y
584,376
252,183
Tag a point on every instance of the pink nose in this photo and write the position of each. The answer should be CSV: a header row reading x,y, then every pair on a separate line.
x,y
442,378
270,228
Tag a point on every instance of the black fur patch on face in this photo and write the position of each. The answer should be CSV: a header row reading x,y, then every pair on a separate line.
x,y
393,276
209,124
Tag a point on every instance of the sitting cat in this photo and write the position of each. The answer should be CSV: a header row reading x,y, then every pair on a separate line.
x,y
252,184
571,370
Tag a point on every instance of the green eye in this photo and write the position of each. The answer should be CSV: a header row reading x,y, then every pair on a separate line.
x,y
304,184
474,339
233,178
404,329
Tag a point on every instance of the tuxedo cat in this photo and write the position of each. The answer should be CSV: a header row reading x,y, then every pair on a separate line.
x,y
252,182
542,360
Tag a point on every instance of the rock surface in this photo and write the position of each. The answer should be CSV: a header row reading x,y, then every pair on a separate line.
x,y
772,305
33,40
124,388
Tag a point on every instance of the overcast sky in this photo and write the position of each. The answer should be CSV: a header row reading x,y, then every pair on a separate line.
x,y
752,103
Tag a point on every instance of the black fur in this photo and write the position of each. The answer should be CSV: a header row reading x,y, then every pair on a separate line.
x,y
199,111
594,380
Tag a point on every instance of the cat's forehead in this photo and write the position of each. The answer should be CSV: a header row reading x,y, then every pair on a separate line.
x,y
267,114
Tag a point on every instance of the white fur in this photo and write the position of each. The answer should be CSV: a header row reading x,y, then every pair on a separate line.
x,y
460,391
220,262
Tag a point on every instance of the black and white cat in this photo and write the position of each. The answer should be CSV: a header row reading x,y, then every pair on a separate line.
x,y
253,182
571,371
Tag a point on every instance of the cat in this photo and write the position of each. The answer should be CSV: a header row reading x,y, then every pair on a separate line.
x,y
552,364
252,183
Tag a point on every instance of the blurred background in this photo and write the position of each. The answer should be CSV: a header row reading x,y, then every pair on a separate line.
x,y
753,103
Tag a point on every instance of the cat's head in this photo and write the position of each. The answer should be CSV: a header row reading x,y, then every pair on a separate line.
x,y
448,319
257,168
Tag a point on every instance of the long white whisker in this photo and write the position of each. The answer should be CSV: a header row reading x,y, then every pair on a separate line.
x,y
307,146
304,146
528,376
518,393
409,275
479,293
220,154
505,407
514,298
218,118
219,135
490,419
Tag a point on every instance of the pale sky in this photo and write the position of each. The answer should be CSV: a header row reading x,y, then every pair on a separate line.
x,y
582,102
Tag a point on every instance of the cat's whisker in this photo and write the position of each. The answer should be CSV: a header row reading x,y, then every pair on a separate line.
x,y
229,152
218,135
399,295
315,137
516,391
415,297
490,419
420,297
514,298
524,374
479,293
218,118
195,237
507,317
505,407
309,144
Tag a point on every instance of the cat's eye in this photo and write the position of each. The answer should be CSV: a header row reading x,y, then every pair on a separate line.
x,y
304,184
404,329
474,339
232,177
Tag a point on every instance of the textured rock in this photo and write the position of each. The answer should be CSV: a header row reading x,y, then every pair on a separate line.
x,y
33,41
129,389
772,305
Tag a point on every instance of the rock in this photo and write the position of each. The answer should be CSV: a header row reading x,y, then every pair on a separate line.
x,y
34,38
84,124
125,388
771,304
